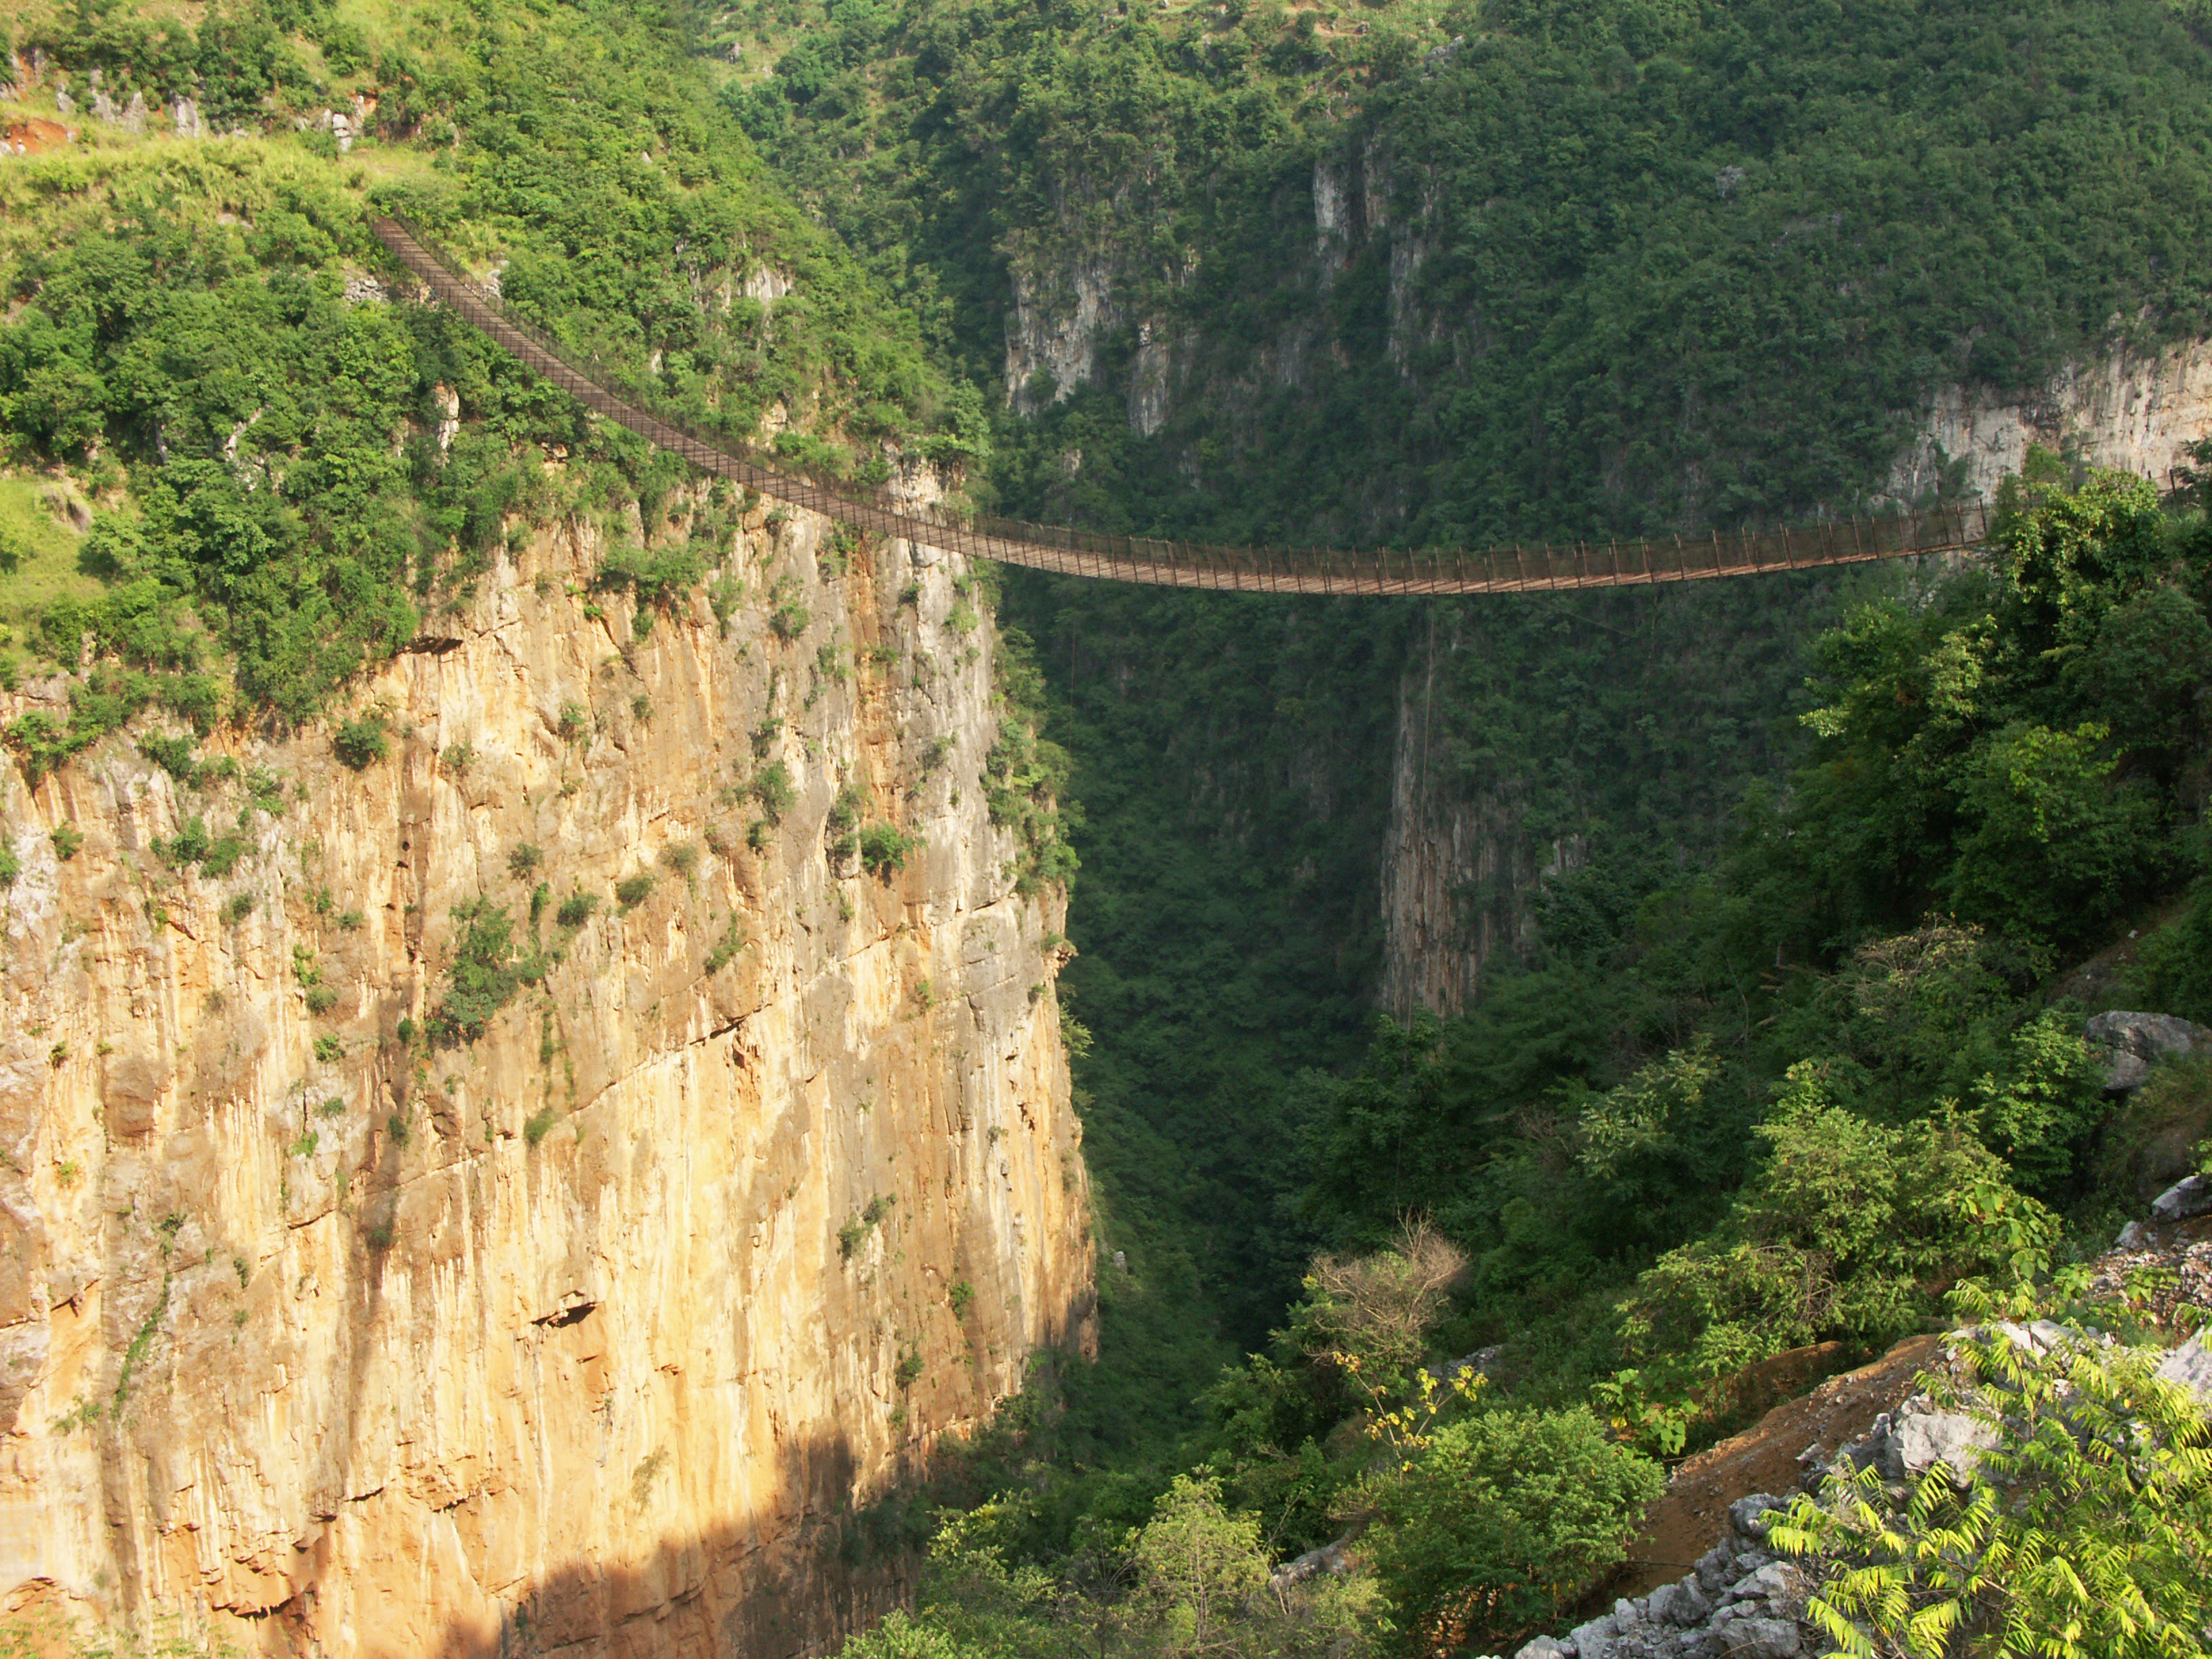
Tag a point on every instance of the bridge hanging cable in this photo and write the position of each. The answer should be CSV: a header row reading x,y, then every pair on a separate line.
x,y
1072,552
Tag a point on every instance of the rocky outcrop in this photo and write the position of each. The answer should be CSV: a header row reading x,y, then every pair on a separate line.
x,y
2132,1043
593,1332
1741,1600
2136,411
1060,316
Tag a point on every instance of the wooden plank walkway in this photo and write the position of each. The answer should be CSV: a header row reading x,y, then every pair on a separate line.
x,y
1193,564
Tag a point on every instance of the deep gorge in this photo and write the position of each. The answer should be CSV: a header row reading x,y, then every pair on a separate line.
x,y
595,1064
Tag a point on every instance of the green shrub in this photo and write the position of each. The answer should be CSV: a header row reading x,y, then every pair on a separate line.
x,y
237,907
188,846
725,948
459,757
657,577
44,745
535,1125
67,841
321,998
2054,1544
487,969
575,722
633,890
759,834
1842,1233
329,1050
772,788
640,708
172,754
1496,1529
788,617
361,741
216,855
959,1297
883,849
682,857
523,860
854,1233
845,810
724,595
2173,966
10,865
577,909
223,854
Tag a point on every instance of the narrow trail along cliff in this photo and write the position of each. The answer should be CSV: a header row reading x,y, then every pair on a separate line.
x,y
601,1327
1072,552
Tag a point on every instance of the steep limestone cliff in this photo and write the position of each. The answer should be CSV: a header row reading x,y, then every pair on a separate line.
x,y
1451,841
2136,411
592,1334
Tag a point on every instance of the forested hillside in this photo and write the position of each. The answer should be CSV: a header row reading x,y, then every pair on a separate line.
x,y
185,330
1479,272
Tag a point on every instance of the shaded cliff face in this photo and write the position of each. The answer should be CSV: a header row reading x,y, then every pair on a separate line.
x,y
1538,735
594,1329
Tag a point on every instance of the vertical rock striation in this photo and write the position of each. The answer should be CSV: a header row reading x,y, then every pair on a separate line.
x,y
2138,411
596,1329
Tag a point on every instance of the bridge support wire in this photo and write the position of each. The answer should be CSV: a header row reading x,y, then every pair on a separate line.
x,y
1070,551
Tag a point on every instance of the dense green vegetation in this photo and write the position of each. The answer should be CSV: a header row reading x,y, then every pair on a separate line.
x,y
1769,1061
275,499
1597,267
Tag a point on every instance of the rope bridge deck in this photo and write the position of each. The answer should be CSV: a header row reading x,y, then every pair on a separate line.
x,y
1195,564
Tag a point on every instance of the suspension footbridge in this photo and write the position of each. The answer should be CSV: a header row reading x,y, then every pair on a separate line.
x,y
1074,552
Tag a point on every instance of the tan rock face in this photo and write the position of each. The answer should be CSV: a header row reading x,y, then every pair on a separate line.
x,y
593,1334
2138,413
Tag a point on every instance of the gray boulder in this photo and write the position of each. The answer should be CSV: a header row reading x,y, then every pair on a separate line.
x,y
1777,1582
1330,1558
1920,1437
2190,1196
2190,1365
1546,1647
1759,1638
2134,1043
1683,1604
1713,1573
1747,1514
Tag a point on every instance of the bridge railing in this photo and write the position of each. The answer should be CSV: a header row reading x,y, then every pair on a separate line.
x,y
1193,564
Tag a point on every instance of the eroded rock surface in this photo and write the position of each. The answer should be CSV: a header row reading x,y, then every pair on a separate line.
x,y
599,1328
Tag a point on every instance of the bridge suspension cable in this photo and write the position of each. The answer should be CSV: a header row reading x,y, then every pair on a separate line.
x,y
1074,552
